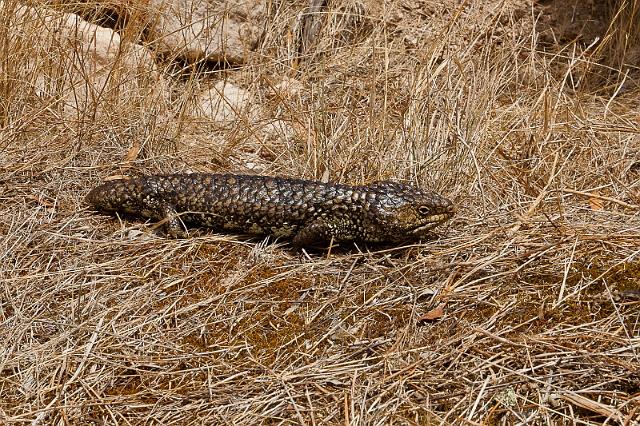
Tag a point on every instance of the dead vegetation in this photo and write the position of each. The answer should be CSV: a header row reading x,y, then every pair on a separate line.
x,y
525,309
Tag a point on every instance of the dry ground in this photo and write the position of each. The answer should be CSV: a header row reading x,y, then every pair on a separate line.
x,y
535,135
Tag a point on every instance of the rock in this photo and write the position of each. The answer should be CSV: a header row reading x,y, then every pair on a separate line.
x,y
88,67
224,103
276,132
216,31
288,87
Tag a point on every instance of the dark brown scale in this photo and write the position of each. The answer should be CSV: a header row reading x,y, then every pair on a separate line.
x,y
310,212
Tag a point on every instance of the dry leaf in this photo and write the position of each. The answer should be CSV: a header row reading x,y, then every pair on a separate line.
x,y
434,314
133,152
594,406
596,202
41,201
115,177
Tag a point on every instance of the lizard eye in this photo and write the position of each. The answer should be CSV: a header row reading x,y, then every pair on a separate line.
x,y
423,210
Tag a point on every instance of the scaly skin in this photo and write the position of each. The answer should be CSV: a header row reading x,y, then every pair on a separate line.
x,y
310,212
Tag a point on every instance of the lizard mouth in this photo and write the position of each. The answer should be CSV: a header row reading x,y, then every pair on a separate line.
x,y
431,222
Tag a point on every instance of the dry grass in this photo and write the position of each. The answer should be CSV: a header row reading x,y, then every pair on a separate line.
x,y
105,322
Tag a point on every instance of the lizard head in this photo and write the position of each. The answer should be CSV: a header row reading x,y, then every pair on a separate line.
x,y
404,213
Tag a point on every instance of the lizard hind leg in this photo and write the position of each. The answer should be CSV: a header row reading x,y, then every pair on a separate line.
x,y
171,223
320,233
312,234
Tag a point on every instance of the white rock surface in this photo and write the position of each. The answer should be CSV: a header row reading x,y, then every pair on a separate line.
x,y
87,66
224,102
218,31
